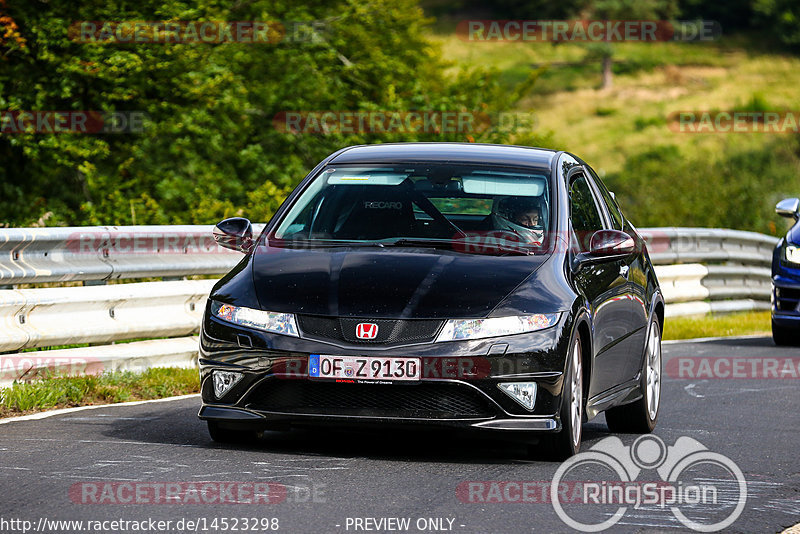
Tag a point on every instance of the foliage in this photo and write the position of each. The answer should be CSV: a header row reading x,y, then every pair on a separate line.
x,y
119,386
733,189
622,10
507,9
731,324
780,19
631,9
209,149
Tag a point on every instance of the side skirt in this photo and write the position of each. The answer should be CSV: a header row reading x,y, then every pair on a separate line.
x,y
616,396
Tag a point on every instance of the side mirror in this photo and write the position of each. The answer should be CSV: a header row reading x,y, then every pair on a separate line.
x,y
610,243
788,207
235,233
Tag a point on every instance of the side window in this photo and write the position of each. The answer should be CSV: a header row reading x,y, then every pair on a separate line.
x,y
613,207
586,220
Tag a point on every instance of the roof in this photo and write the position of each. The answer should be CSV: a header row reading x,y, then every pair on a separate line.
x,y
447,153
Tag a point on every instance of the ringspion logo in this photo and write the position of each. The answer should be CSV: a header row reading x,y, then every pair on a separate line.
x,y
704,490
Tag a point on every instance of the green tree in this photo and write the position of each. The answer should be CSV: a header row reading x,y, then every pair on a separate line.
x,y
622,10
728,188
781,19
209,149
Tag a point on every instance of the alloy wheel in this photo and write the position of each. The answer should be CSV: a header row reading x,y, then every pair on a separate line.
x,y
576,394
653,371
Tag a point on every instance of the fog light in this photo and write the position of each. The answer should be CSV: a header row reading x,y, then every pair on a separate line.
x,y
522,392
224,381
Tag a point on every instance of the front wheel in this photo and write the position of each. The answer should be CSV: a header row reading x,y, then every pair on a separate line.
x,y
640,417
783,336
567,442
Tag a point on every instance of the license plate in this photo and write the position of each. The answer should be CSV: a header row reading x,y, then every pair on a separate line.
x,y
363,368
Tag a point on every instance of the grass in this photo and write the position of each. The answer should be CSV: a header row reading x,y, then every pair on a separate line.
x,y
652,81
62,392
733,324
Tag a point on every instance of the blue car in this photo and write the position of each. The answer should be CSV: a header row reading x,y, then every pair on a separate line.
x,y
786,279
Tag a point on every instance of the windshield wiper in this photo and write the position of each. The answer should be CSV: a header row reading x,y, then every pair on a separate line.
x,y
459,246
417,242
321,243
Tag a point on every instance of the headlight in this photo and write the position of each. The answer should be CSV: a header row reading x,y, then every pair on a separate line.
x,y
456,329
279,323
792,254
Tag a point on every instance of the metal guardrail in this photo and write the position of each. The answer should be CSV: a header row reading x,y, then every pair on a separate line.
x,y
701,270
711,270
135,356
100,314
673,245
97,253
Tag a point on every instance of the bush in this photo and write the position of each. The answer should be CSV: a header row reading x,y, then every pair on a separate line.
x,y
209,149
735,188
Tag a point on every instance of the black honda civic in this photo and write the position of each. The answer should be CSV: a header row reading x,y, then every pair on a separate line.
x,y
491,287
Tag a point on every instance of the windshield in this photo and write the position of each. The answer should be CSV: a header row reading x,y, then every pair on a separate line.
x,y
472,208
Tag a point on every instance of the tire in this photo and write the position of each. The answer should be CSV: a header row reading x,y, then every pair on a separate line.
x,y
785,337
226,435
567,442
640,416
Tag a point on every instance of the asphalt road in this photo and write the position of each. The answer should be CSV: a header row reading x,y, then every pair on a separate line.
x,y
54,468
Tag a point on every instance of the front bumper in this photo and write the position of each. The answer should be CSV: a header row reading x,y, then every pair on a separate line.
x,y
786,296
458,387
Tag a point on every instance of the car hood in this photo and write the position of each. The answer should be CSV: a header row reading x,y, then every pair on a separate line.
x,y
386,283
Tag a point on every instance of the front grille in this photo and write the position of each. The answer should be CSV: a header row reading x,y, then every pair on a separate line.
x,y
389,330
787,298
436,401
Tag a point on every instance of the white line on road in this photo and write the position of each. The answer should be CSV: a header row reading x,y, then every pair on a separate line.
x,y
705,339
51,413
689,388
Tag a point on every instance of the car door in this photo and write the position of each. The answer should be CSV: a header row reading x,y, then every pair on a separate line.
x,y
637,280
605,287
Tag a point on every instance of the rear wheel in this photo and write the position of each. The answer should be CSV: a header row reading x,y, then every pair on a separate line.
x,y
640,417
568,441
227,435
785,336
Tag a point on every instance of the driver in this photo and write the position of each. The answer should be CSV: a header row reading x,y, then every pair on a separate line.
x,y
527,217
520,215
